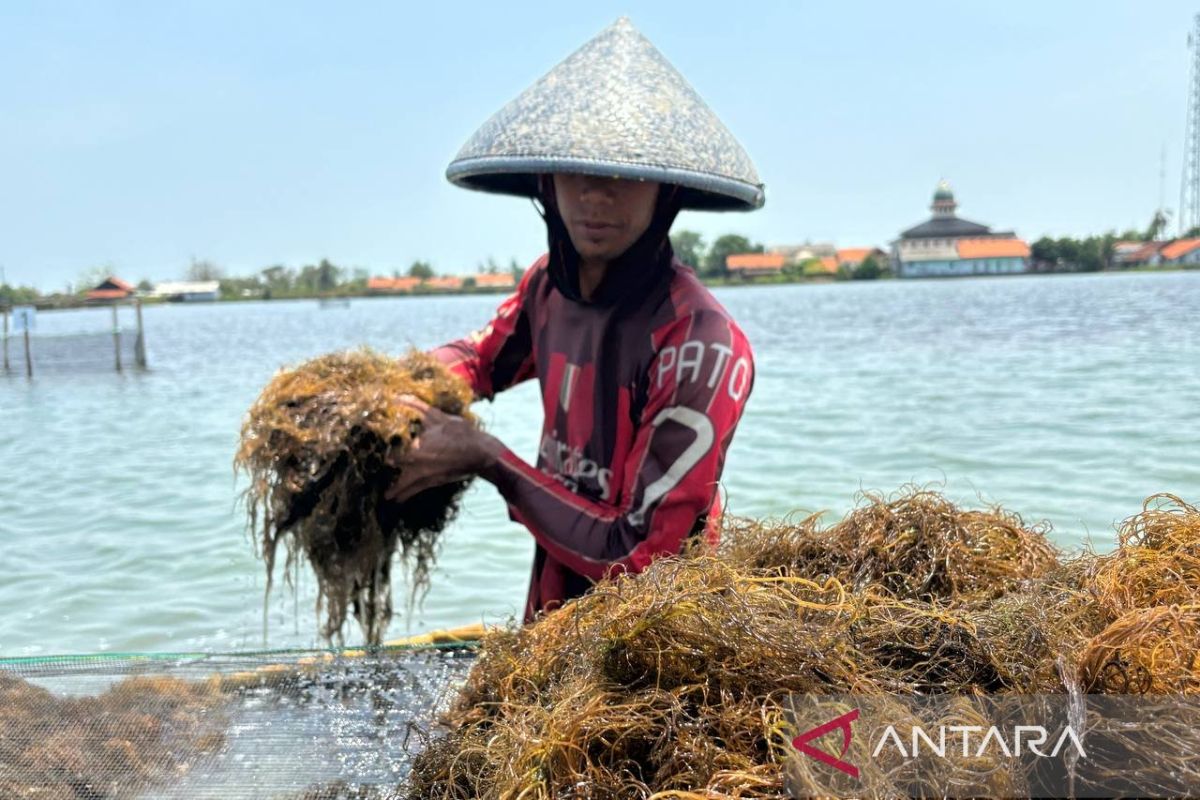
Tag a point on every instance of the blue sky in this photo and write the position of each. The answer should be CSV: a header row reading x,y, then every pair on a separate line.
x,y
144,134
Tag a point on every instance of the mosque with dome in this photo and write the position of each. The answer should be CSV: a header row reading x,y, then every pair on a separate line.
x,y
946,245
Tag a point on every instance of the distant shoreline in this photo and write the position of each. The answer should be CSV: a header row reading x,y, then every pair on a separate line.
x,y
57,303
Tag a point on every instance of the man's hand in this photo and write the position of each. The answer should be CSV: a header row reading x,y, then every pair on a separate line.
x,y
447,449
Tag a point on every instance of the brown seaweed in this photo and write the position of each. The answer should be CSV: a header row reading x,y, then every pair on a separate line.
x,y
321,446
139,732
672,683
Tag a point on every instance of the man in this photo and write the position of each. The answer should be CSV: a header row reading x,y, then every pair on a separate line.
x,y
644,376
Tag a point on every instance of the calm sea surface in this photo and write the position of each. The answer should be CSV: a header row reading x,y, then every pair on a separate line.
x,y
1067,399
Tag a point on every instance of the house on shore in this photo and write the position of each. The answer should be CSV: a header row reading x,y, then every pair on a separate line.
x,y
853,257
1171,253
188,291
821,266
799,253
499,280
755,265
439,283
443,283
392,285
1128,253
1181,252
947,245
111,290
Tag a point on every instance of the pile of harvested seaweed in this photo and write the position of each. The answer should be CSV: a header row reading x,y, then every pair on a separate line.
x,y
320,446
671,683
139,732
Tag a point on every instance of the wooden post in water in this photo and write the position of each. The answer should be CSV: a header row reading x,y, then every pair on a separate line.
x,y
5,337
28,358
139,347
116,337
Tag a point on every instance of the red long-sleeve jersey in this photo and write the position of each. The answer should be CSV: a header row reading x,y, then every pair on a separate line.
x,y
641,401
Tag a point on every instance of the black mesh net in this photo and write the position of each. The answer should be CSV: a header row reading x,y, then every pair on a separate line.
x,y
280,724
75,352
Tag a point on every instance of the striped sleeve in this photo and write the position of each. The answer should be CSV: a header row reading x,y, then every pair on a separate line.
x,y
500,354
698,382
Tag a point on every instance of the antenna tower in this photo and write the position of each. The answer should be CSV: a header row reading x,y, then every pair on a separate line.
x,y
1189,189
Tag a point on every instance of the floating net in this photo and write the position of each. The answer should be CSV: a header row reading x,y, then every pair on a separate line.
x,y
274,724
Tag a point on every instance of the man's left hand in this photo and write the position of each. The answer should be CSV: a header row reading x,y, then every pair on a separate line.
x,y
447,449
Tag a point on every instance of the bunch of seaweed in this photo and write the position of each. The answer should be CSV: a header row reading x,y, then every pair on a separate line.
x,y
673,683
139,732
321,446
1157,562
1033,633
1147,651
916,545
1150,590
642,683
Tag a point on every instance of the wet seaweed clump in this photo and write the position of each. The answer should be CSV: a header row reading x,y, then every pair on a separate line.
x,y
673,683
1149,592
1147,651
140,732
1157,562
321,447
915,545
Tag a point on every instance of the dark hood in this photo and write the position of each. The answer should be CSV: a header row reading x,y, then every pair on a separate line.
x,y
631,274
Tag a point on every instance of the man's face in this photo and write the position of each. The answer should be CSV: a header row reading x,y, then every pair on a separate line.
x,y
604,216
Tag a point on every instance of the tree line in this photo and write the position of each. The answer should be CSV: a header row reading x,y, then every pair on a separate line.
x,y
278,281
328,279
1094,253
709,262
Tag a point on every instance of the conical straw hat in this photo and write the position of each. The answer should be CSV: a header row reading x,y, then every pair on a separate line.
x,y
617,108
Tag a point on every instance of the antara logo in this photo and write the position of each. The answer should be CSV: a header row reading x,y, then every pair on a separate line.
x,y
974,740
977,740
841,723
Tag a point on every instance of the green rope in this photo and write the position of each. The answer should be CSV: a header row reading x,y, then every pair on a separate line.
x,y
86,658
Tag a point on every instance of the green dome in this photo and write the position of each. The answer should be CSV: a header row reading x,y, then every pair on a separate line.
x,y
943,192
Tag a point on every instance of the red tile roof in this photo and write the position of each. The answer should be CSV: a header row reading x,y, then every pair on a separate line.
x,y
108,294
501,279
113,282
444,282
111,288
855,255
992,248
1179,248
823,264
1142,253
393,284
741,261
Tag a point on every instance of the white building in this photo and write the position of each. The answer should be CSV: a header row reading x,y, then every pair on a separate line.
x,y
188,291
946,245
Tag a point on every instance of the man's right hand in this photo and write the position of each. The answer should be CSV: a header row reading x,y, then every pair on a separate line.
x,y
447,449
